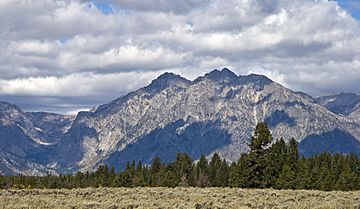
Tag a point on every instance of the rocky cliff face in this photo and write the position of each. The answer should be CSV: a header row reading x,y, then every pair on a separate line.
x,y
25,140
52,125
214,113
347,104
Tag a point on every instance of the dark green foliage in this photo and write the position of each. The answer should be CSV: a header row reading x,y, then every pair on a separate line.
x,y
286,179
276,158
259,153
261,138
279,167
200,173
182,167
264,166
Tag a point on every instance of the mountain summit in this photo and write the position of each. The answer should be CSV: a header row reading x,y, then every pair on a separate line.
x,y
223,75
214,113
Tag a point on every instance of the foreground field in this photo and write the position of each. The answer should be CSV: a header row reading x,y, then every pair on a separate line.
x,y
112,198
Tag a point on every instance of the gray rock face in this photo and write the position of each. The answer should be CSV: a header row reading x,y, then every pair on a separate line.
x,y
214,113
26,138
52,125
344,103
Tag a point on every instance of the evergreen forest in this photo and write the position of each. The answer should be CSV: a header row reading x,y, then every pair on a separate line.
x,y
268,164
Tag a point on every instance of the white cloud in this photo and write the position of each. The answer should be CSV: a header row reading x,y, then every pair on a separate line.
x,y
183,6
52,47
33,47
123,58
76,85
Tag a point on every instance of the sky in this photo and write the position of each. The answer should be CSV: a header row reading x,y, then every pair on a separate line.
x,y
69,55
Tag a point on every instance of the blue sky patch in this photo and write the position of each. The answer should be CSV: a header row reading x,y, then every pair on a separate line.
x,y
105,8
352,6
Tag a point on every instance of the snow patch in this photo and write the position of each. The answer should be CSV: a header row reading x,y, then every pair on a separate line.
x,y
37,140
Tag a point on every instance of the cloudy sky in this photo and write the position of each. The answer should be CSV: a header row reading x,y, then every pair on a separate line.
x,y
68,55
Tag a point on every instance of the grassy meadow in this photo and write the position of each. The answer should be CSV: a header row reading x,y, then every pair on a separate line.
x,y
180,197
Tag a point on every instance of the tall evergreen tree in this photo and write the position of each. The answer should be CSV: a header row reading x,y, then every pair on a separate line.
x,y
214,170
183,167
293,155
275,160
201,177
287,178
241,174
259,145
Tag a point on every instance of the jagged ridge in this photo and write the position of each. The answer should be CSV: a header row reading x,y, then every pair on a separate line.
x,y
214,113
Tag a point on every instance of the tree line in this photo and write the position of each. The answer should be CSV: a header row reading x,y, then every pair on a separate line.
x,y
267,165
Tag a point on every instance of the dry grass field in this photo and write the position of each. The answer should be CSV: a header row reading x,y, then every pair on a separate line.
x,y
112,198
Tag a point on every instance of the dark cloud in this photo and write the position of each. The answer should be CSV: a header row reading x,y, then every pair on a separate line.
x,y
64,105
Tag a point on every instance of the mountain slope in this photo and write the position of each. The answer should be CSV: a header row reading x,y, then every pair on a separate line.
x,y
214,113
52,125
22,143
345,103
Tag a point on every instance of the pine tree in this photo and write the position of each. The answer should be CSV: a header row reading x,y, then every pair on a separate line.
x,y
293,155
224,174
182,167
275,160
200,173
348,179
233,174
286,179
259,145
138,179
170,179
125,179
79,179
214,170
304,174
154,170
240,174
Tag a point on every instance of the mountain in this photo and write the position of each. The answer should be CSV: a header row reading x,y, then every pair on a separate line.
x,y
345,103
213,113
52,125
24,136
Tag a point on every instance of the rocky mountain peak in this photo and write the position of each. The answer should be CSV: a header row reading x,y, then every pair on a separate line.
x,y
166,80
4,106
162,82
217,75
214,113
9,111
257,80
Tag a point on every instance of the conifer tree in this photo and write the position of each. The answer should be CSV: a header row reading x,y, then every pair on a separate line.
x,y
182,167
275,160
214,170
286,179
223,174
241,175
201,177
259,145
138,179
154,170
293,155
